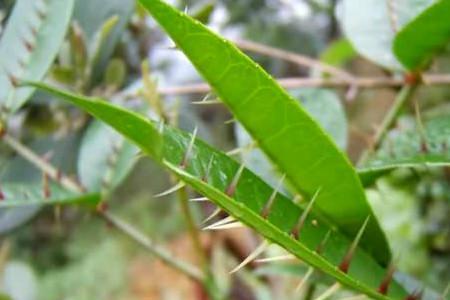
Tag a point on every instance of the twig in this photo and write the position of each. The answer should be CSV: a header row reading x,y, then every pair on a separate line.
x,y
155,249
292,57
296,82
71,185
404,95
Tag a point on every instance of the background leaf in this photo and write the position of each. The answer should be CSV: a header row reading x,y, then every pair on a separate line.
x,y
105,157
43,24
369,29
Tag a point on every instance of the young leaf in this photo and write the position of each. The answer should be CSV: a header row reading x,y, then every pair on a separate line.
x,y
19,195
211,172
417,43
29,45
281,127
105,157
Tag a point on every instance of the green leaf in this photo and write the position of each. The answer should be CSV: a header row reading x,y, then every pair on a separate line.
x,y
411,146
323,105
105,157
369,28
281,127
20,195
417,43
131,125
248,200
43,25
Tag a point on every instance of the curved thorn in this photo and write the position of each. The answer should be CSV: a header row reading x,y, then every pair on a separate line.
x,y
329,292
305,279
268,207
345,264
260,249
301,222
171,190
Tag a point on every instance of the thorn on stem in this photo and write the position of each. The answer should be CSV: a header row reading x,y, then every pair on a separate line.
x,y
208,169
102,207
384,286
301,222
321,246
269,204
345,264
258,251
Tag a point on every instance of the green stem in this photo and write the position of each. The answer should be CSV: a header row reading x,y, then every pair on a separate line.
x,y
183,199
403,96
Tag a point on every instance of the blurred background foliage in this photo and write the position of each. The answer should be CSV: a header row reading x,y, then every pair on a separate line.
x,y
67,253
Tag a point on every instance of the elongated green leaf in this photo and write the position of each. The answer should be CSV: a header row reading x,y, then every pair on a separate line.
x,y
17,194
283,130
249,199
407,146
417,43
105,157
29,45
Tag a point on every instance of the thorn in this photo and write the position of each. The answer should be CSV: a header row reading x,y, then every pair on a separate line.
x,y
304,279
45,186
171,190
287,257
268,207
301,222
231,189
102,207
2,195
345,264
13,79
215,213
260,249
199,199
384,286
185,160
232,225
415,296
28,44
208,169
230,121
243,149
226,220
321,246
206,102
329,292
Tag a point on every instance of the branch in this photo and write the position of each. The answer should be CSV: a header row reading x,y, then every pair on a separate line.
x,y
296,82
71,185
293,57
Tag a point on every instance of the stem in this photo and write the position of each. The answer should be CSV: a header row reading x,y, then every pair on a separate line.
x,y
403,96
71,185
297,82
155,249
183,199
